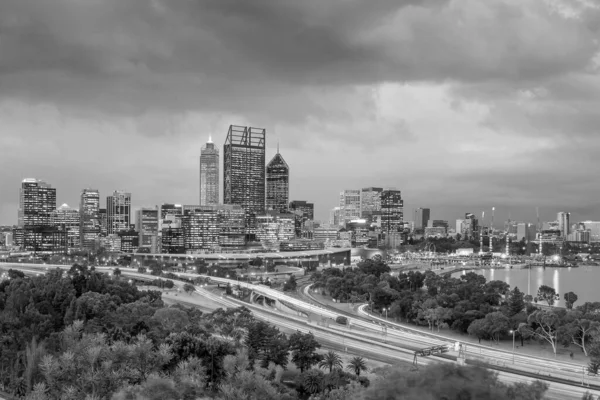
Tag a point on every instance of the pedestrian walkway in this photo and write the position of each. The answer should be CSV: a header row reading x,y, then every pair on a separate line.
x,y
531,348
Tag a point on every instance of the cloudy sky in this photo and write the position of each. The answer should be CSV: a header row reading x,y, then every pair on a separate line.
x,y
461,104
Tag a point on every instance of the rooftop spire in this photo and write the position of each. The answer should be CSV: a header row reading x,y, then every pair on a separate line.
x,y
277,146
209,139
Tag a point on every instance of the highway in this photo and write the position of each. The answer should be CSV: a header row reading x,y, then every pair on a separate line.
x,y
365,335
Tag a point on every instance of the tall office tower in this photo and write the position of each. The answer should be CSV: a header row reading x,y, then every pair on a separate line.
x,y
118,212
392,210
244,170
563,223
69,219
422,217
37,202
370,199
89,217
526,232
36,232
209,174
350,204
232,232
473,223
278,184
200,228
146,224
307,211
103,222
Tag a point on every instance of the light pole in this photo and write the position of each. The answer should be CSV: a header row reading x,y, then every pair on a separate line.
x,y
386,311
513,351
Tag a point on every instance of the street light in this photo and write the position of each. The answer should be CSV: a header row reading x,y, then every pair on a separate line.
x,y
386,311
513,351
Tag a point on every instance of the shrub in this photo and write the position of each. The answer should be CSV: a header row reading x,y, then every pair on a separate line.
x,y
341,320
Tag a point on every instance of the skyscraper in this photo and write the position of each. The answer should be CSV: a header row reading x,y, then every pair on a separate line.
x,y
563,223
307,211
118,212
69,219
370,199
350,204
421,218
36,232
147,226
89,217
244,170
392,210
278,184
209,174
37,202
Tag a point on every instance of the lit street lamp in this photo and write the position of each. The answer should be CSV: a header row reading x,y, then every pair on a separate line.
x,y
386,311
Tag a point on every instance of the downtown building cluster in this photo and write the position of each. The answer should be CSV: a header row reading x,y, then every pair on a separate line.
x,y
372,216
256,212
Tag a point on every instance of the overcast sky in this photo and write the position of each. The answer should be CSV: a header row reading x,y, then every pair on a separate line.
x,y
461,104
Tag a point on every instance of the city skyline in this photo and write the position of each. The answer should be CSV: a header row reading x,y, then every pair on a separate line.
x,y
485,122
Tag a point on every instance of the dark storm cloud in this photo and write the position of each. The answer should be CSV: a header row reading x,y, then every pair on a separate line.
x,y
126,56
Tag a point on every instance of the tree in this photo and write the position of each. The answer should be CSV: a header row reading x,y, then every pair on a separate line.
x,y
570,299
357,365
516,302
266,344
303,348
478,329
189,288
547,294
331,360
312,381
448,381
117,272
290,284
544,325
577,331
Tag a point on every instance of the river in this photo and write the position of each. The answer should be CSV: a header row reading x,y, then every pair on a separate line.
x,y
584,281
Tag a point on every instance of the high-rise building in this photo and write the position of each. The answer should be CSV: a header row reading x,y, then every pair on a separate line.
x,y
422,216
350,205
36,232
232,232
563,223
307,211
103,222
370,200
37,202
274,228
526,232
209,174
89,217
118,212
68,218
392,210
146,224
278,184
244,170
594,228
200,229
